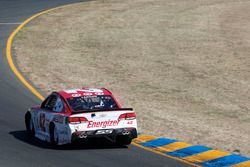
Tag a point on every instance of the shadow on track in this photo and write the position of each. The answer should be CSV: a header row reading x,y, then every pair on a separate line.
x,y
98,143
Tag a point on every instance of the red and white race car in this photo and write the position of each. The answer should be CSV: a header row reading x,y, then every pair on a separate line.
x,y
72,115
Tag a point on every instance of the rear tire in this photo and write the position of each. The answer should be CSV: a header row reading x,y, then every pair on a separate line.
x,y
29,124
53,135
123,140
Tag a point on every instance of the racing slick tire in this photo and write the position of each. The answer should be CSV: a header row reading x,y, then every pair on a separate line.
x,y
53,134
123,140
29,124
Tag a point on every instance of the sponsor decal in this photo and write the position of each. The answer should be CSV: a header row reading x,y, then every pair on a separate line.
x,y
93,94
92,90
84,92
76,95
102,124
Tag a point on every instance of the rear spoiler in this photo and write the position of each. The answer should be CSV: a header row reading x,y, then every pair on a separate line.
x,y
101,110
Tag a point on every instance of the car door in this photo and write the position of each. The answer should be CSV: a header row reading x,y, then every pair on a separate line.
x,y
45,113
54,112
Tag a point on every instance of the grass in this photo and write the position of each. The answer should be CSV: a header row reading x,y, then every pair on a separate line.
x,y
183,65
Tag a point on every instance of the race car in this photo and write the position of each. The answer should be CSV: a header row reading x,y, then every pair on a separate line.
x,y
77,114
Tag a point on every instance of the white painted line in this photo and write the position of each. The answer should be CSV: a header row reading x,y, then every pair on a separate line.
x,y
10,23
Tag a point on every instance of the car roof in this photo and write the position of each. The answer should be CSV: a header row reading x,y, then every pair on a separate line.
x,y
84,92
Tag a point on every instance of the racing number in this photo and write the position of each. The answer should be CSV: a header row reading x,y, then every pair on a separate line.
x,y
42,122
130,122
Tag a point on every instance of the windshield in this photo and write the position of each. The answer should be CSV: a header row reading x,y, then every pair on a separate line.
x,y
86,103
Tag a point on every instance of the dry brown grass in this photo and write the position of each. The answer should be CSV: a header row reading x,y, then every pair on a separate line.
x,y
183,65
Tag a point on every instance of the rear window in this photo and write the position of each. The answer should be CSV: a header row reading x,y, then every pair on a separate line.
x,y
88,103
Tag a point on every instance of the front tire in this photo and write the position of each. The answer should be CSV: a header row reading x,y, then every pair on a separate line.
x,y
29,124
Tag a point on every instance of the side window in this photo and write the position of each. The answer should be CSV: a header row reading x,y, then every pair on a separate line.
x,y
45,102
58,107
49,103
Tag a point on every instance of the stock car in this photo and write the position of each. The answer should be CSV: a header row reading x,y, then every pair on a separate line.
x,y
77,114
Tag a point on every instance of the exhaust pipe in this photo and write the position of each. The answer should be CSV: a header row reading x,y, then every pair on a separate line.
x,y
125,132
83,135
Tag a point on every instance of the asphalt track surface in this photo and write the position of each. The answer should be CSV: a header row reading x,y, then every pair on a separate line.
x,y
16,147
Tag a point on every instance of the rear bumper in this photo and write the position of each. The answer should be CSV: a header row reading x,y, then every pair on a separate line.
x,y
129,132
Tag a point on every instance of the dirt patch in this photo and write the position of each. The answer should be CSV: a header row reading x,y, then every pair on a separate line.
x,y
184,66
